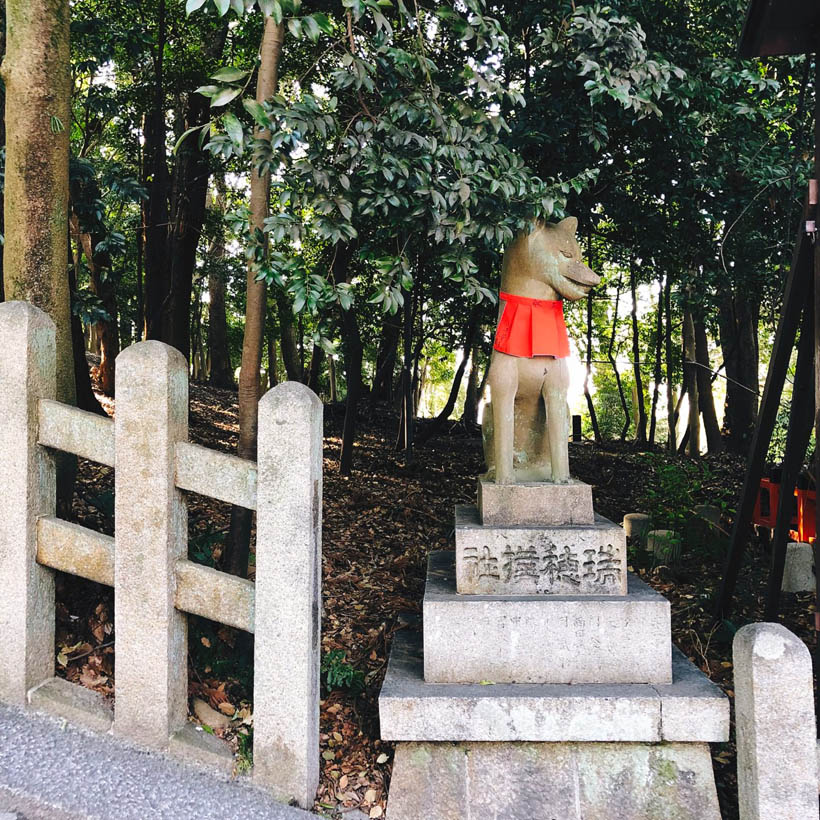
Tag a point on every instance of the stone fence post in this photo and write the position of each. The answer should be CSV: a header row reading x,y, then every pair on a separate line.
x,y
288,593
775,725
151,535
27,491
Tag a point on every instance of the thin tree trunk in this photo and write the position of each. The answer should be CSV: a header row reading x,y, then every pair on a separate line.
x,y
613,362
706,400
237,545
690,377
436,425
658,373
334,393
156,178
386,360
738,317
408,371
593,416
353,355
470,414
2,132
37,76
670,389
640,430
189,196
317,357
287,338
273,379
106,329
221,368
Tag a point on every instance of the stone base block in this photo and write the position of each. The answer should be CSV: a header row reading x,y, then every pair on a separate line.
x,y
690,709
798,574
552,781
193,745
74,703
536,503
555,639
579,559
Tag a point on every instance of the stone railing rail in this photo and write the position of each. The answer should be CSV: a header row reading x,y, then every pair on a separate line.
x,y
146,561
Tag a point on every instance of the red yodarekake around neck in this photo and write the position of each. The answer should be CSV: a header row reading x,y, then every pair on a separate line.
x,y
532,327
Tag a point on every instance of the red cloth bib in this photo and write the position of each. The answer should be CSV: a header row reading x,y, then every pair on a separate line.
x,y
531,327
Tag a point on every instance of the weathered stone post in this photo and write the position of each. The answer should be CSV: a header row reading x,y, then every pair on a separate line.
x,y
151,535
774,716
288,593
27,491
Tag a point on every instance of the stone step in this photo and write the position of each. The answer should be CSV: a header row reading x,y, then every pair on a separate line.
x,y
691,709
538,639
553,781
535,503
569,559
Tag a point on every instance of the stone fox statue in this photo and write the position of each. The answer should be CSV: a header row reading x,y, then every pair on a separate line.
x,y
526,424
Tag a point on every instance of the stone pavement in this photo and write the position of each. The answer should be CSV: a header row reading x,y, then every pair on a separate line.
x,y
51,771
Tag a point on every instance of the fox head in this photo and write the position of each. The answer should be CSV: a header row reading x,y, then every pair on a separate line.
x,y
548,258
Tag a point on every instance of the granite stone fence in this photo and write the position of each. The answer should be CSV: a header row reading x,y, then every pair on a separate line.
x,y
146,561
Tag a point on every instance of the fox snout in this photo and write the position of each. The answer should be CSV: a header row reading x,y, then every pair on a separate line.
x,y
579,273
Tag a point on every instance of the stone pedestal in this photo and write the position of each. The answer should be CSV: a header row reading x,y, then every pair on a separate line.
x,y
537,503
577,781
568,559
545,683
529,639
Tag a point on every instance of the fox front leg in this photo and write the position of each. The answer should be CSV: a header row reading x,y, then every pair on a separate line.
x,y
503,379
554,391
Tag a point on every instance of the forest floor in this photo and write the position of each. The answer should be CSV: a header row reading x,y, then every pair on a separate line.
x,y
378,527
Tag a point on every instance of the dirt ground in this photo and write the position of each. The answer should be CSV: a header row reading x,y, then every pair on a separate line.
x,y
378,527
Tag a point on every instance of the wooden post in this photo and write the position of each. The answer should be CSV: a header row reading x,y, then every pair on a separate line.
x,y
797,439
813,206
794,298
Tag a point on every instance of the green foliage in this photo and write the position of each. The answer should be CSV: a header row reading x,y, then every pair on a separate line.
x,y
339,674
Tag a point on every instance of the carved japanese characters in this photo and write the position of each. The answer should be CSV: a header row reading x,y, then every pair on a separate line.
x,y
526,424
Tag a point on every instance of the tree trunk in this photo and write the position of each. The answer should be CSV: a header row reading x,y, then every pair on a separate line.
x,y
86,400
334,393
706,400
738,339
287,338
437,424
353,355
690,377
273,379
106,328
189,195
409,378
237,545
2,130
657,374
593,416
37,75
221,368
156,178
640,429
670,388
470,414
386,360
221,372
611,357
317,357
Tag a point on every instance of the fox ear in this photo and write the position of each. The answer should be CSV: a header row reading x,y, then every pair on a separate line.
x,y
568,225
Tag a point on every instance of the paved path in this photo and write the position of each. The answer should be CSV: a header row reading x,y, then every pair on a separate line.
x,y
49,771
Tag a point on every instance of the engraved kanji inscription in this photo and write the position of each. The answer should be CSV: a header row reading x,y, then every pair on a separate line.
x,y
544,567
